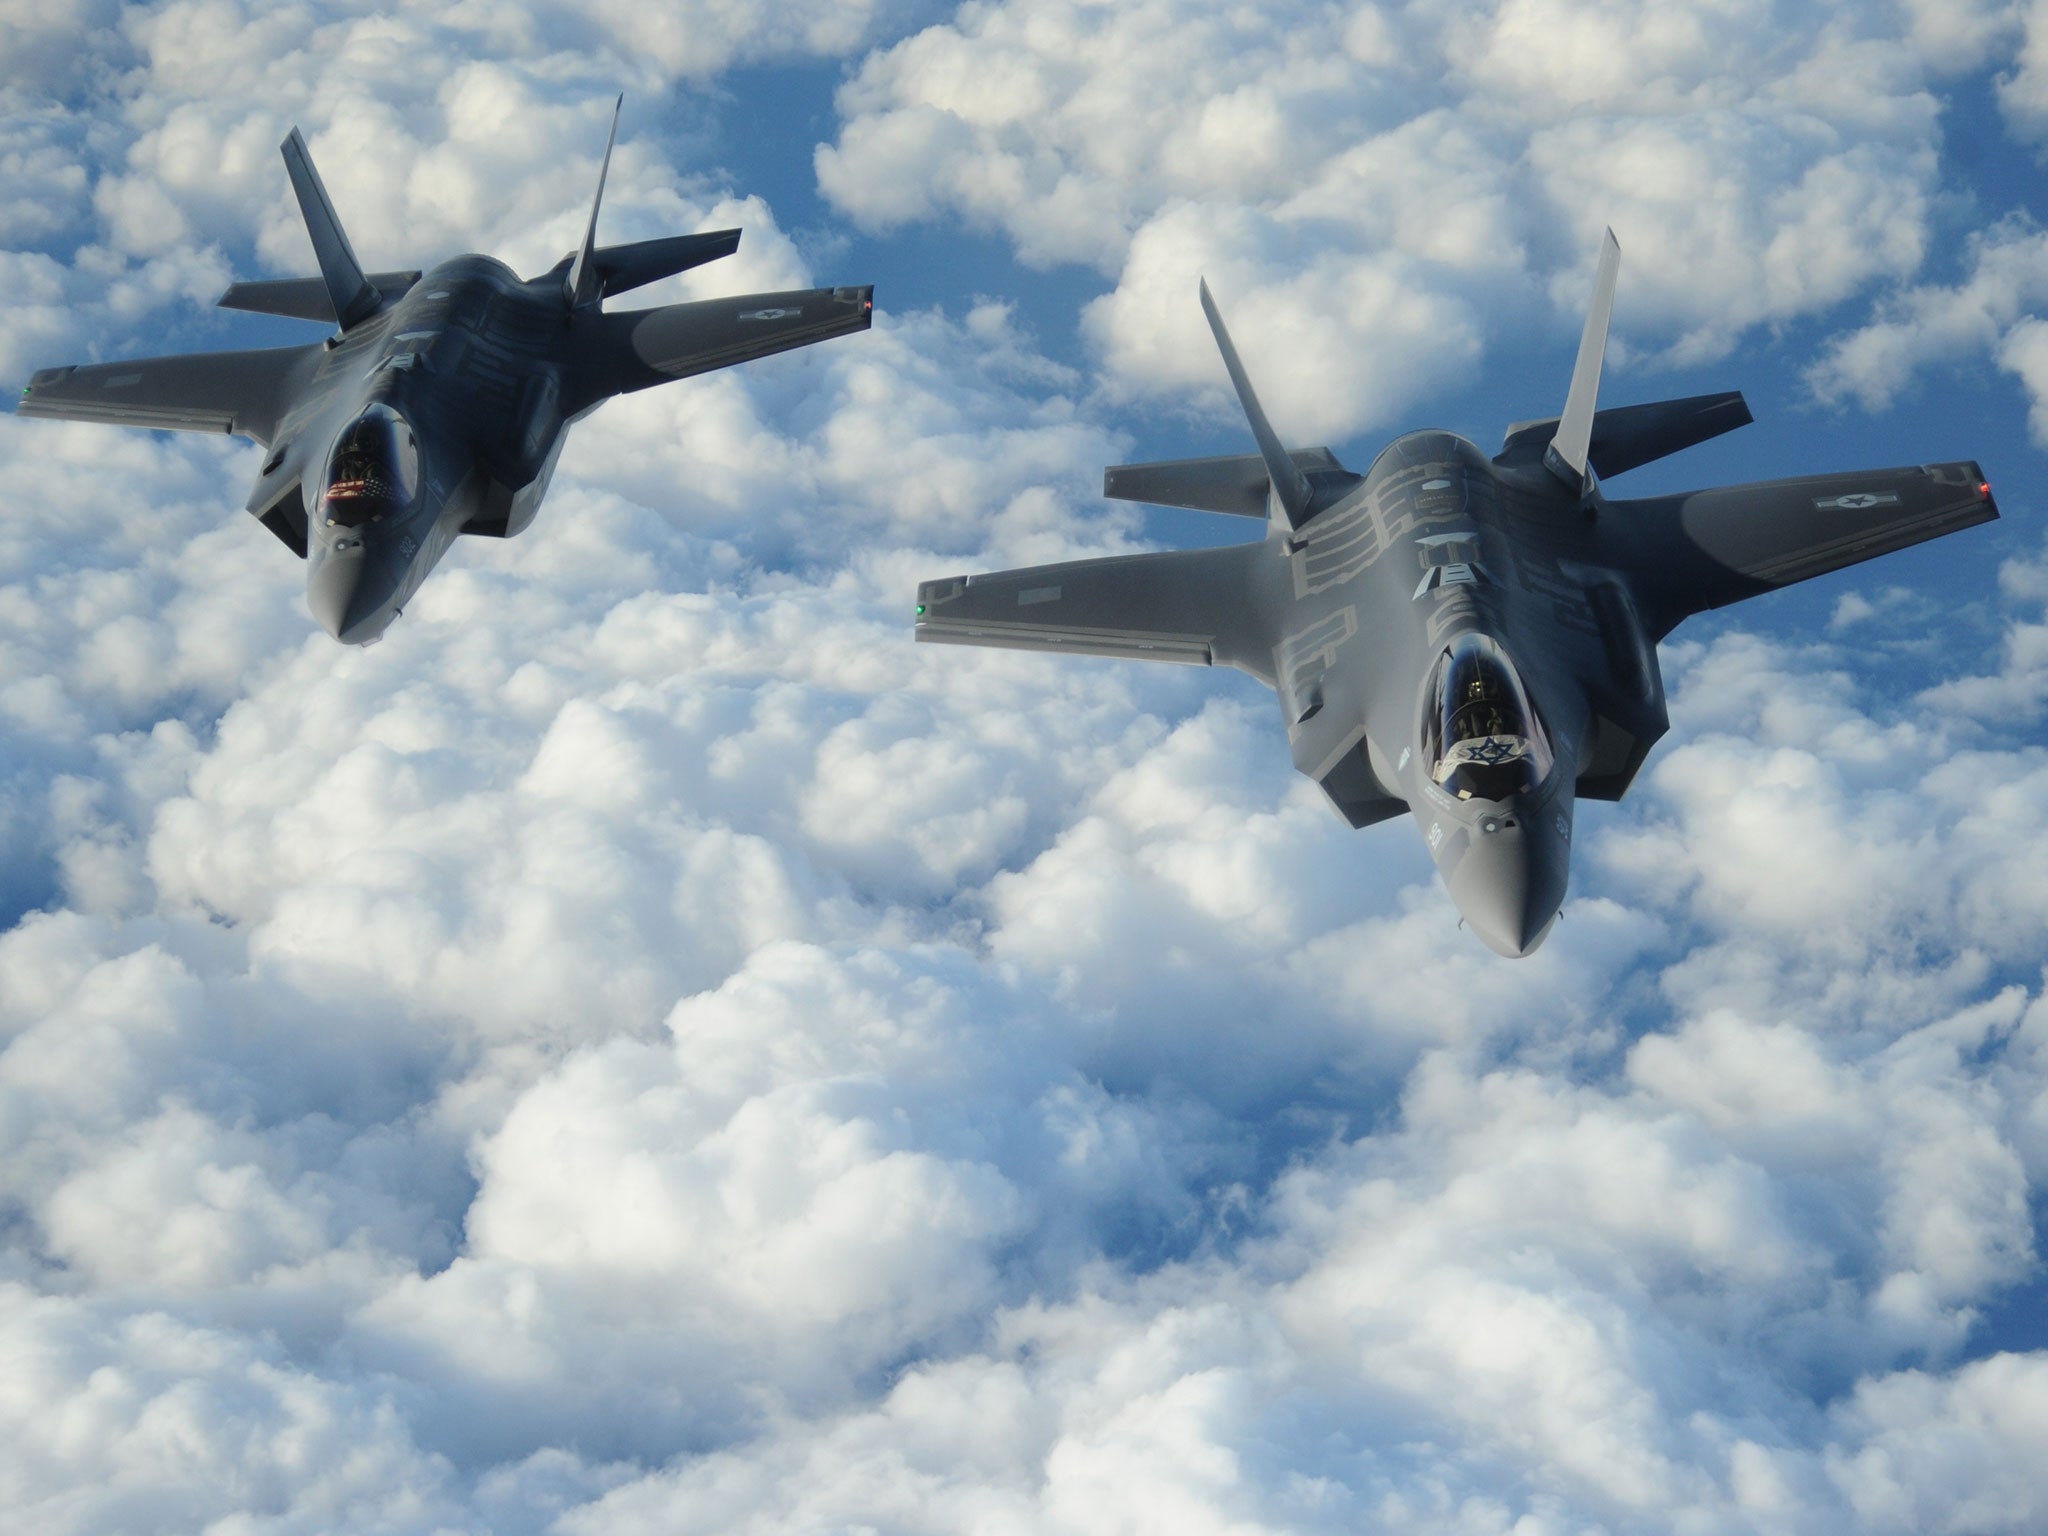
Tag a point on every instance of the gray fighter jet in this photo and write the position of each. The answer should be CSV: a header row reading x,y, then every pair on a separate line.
x,y
442,404
1472,640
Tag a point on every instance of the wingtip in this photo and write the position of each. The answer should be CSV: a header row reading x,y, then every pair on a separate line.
x,y
1983,484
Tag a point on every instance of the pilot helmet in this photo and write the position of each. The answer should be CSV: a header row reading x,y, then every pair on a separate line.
x,y
372,472
1482,738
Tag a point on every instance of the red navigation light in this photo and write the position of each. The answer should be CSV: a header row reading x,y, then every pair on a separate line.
x,y
1983,487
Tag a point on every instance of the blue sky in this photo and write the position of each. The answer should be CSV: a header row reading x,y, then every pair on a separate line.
x,y
646,1047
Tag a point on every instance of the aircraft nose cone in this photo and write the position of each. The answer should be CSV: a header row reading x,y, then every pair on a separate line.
x,y
331,591
1510,885
349,594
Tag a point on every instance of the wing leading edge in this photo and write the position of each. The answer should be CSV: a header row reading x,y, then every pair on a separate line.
x,y
1704,549
1194,606
634,349
1184,605
236,392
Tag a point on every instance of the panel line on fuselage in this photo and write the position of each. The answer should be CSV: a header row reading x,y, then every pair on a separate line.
x,y
1301,659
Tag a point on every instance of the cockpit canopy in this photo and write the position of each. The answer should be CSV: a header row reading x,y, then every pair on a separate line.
x,y
1481,736
373,472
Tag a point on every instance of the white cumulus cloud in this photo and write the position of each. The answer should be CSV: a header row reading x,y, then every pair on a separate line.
x,y
1388,188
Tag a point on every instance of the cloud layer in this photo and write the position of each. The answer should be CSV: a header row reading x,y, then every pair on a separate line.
x,y
1380,187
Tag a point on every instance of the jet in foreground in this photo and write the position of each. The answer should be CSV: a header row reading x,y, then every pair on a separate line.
x,y
442,405
1472,640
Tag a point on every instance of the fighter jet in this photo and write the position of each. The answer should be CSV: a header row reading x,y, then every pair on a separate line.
x,y
1469,639
441,404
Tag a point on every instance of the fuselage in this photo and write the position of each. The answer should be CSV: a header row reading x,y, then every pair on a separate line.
x,y
451,397
1437,650
1487,779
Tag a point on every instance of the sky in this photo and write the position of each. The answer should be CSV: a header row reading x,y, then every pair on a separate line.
x,y
647,1048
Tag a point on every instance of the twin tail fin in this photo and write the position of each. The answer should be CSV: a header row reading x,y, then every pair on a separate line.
x,y
351,295
1285,486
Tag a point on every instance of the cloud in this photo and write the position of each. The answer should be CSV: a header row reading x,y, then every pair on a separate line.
x,y
1327,344
1932,326
1841,838
1520,1268
171,1424
1388,190
701,39
1958,1434
49,49
2023,93
1963,37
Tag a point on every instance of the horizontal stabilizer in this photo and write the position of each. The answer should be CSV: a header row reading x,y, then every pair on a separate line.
x,y
307,298
621,268
1236,483
1627,436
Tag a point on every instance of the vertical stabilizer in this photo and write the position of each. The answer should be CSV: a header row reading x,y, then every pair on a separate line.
x,y
1290,488
355,297
585,284
1566,457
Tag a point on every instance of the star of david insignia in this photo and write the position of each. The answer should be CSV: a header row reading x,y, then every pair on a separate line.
x,y
1491,751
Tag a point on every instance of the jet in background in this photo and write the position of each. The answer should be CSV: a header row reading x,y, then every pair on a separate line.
x,y
1471,640
441,406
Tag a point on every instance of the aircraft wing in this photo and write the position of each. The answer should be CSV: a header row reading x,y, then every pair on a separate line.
x,y
1179,605
237,392
1685,554
633,349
